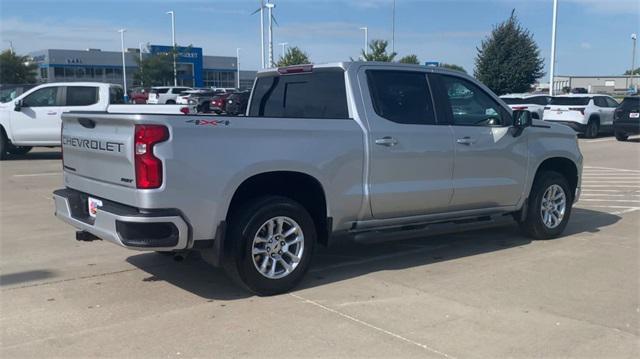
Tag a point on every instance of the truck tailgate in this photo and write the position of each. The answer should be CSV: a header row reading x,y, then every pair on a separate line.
x,y
99,147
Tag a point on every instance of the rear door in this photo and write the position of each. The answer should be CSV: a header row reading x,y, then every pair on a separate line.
x,y
490,165
38,121
411,156
605,111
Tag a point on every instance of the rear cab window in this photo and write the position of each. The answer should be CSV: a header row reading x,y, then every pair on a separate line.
x,y
81,96
116,95
319,94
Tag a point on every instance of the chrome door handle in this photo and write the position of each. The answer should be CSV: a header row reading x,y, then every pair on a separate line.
x,y
386,141
466,141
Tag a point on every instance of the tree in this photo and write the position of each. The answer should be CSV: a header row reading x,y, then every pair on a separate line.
x,y
155,69
635,72
378,52
410,59
15,69
509,61
294,56
453,67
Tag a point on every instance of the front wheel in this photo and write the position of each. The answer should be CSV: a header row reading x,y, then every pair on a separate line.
x,y
548,207
273,239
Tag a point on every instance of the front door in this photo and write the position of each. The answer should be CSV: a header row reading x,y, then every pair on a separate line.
x,y
411,156
39,119
490,165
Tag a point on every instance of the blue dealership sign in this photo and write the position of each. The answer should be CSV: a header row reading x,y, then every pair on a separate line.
x,y
186,55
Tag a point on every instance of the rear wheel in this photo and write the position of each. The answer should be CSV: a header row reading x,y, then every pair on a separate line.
x,y
19,150
593,127
273,239
4,143
621,136
548,207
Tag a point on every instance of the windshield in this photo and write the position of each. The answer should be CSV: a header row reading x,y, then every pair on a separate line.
x,y
570,101
630,103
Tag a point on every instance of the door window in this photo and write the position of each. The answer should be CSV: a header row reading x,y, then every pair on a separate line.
x,y
470,105
600,101
81,96
611,102
47,96
401,96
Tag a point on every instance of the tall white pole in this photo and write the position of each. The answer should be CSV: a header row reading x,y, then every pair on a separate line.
x,y
552,65
366,39
634,38
284,48
393,27
238,67
262,32
124,67
270,7
173,42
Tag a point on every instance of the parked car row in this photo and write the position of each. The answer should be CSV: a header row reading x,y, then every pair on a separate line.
x,y
587,114
205,100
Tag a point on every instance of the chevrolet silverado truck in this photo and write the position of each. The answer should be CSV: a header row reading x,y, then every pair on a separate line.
x,y
358,150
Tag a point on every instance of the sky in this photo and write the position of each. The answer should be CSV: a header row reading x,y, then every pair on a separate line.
x,y
593,38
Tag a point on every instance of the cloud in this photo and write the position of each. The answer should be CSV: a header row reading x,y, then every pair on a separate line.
x,y
585,45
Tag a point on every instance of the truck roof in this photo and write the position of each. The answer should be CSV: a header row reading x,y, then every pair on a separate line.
x,y
354,65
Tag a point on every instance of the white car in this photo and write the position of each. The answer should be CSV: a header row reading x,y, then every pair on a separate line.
x,y
587,114
34,118
165,94
534,103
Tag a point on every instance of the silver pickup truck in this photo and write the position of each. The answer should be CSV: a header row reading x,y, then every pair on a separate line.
x,y
348,150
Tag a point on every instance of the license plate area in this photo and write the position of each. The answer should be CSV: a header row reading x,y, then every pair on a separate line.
x,y
634,115
93,204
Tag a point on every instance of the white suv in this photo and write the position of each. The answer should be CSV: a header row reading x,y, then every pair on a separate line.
x,y
165,94
534,103
588,114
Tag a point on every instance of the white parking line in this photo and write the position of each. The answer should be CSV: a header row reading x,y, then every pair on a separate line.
x,y
610,200
369,325
611,169
38,174
608,195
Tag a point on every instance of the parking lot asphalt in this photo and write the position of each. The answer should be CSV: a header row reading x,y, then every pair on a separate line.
x,y
483,293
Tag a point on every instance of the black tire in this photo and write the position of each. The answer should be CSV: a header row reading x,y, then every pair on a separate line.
x,y
533,225
19,150
593,128
620,136
4,143
246,223
170,102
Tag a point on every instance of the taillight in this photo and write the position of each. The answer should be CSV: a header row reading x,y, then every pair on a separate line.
x,y
579,109
184,110
519,108
148,166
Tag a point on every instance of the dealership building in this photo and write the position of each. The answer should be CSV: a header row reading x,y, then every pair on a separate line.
x,y
193,68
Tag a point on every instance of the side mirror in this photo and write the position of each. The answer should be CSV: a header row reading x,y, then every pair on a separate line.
x,y
521,119
18,106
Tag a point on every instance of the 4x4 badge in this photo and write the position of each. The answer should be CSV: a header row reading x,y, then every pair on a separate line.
x,y
209,122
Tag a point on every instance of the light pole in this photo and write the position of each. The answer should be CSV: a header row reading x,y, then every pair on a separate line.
x,y
10,45
284,48
270,7
393,27
634,38
366,39
173,42
141,66
238,68
124,67
553,47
